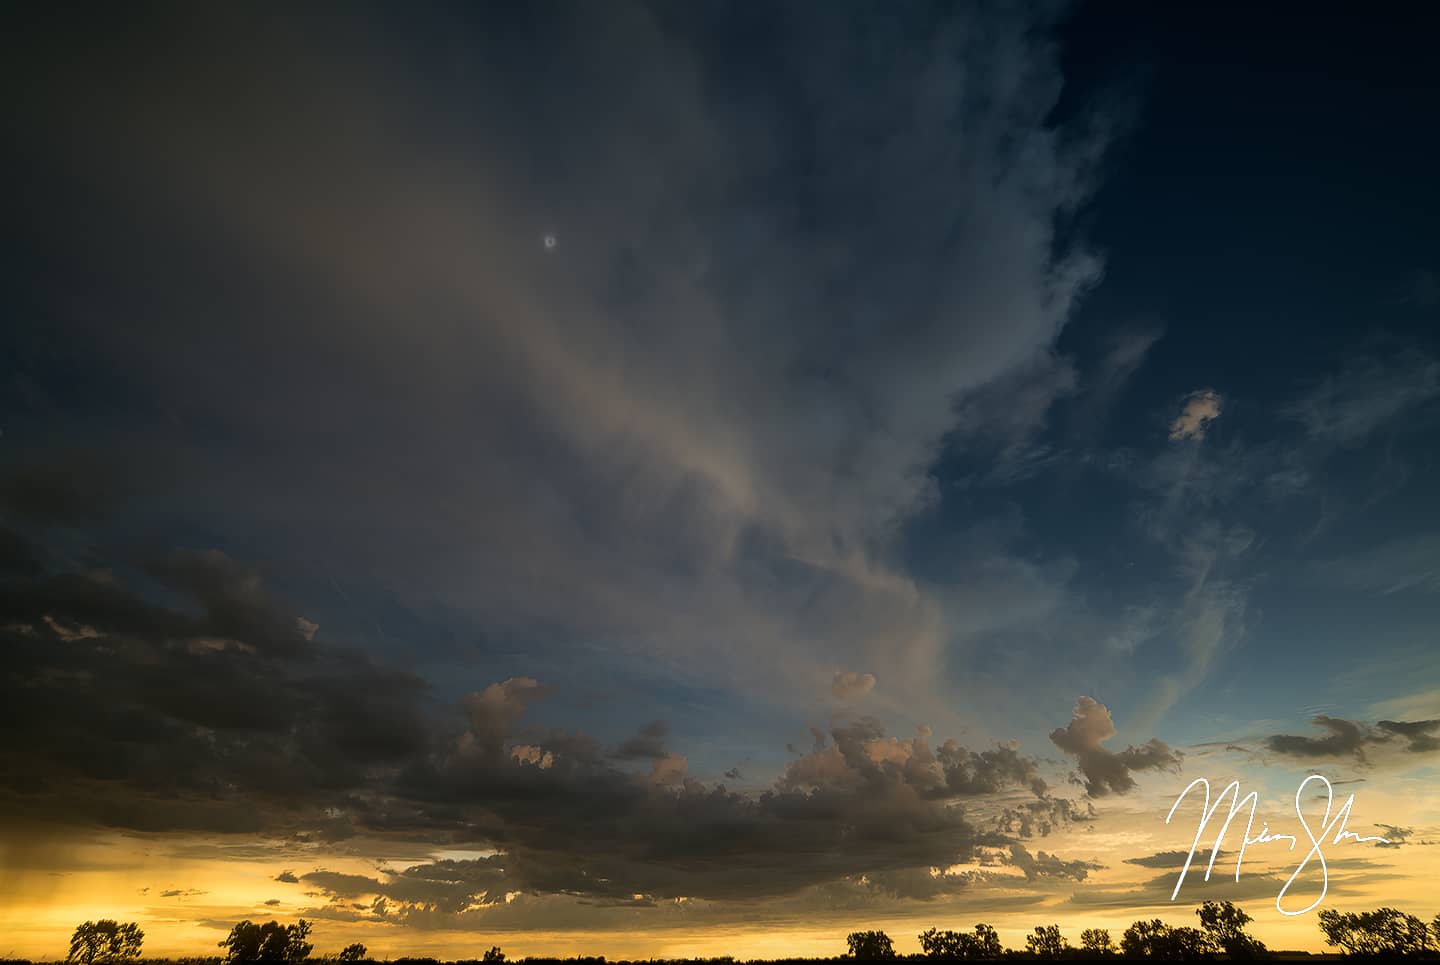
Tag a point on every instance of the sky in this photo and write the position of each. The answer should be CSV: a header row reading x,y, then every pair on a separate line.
x,y
696,479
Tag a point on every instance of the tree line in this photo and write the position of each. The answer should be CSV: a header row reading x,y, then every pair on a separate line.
x,y
108,942
1384,931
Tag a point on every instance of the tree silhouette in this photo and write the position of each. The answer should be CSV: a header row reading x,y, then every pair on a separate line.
x,y
1384,931
1096,940
943,944
1046,942
870,944
1224,923
105,941
353,953
270,942
1155,939
983,944
987,941
494,955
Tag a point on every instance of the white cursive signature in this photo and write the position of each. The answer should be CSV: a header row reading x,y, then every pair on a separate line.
x,y
1337,824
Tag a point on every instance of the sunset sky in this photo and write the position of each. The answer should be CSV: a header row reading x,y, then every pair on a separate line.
x,y
695,478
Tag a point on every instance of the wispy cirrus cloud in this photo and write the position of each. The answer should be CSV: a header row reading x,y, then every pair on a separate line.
x,y
1370,392
707,409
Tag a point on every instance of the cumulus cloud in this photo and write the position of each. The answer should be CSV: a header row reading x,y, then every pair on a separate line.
x,y
669,769
1105,771
861,753
866,803
532,754
849,684
494,711
1043,865
1200,409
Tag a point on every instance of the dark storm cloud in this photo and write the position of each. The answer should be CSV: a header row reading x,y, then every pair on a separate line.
x,y
649,744
70,489
722,389
212,716
17,554
445,886
234,604
1106,771
1349,738
336,336
864,803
